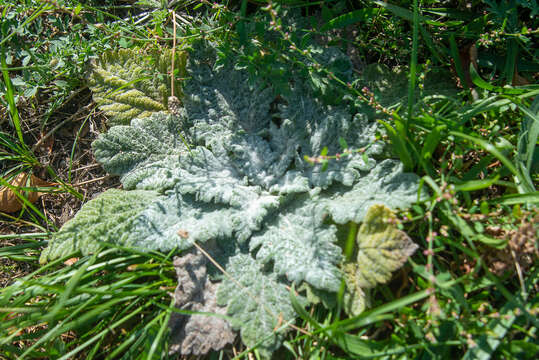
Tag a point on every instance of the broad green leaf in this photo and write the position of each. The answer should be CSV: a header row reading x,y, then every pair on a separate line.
x,y
386,183
301,246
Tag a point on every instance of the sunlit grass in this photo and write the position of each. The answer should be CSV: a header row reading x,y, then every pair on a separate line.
x,y
467,293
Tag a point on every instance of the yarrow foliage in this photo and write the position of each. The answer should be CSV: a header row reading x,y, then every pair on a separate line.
x,y
228,172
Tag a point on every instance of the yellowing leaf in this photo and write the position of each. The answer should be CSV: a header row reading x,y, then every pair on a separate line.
x,y
355,300
382,249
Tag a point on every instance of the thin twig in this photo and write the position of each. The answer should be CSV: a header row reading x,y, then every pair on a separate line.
x,y
173,52
519,273
47,135
91,166
91,181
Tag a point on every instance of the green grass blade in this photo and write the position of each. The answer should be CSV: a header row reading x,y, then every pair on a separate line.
x,y
400,11
474,185
454,51
431,142
400,146
413,63
429,42
164,326
242,33
134,335
510,60
70,286
10,97
354,345
370,316
59,328
469,233
350,18
300,310
498,327
529,133
478,80
504,160
42,8
513,199
96,337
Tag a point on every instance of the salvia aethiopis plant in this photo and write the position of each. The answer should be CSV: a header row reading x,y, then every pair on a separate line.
x,y
226,178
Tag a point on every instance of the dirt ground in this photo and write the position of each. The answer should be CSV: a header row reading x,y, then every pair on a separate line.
x,y
61,143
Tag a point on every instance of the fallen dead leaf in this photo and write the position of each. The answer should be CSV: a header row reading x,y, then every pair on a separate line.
x,y
9,202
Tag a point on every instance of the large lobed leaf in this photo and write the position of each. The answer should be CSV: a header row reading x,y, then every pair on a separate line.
x,y
110,217
258,301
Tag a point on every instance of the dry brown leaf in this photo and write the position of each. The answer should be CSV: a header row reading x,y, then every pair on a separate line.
x,y
9,202
197,334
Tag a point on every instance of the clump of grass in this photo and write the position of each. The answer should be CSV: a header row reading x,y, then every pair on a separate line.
x,y
114,302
